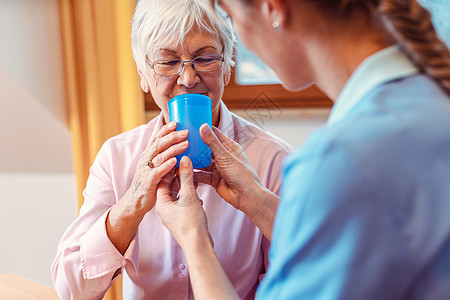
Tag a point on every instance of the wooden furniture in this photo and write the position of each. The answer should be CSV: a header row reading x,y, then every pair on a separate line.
x,y
15,287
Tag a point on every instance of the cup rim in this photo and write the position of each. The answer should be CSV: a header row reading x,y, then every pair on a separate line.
x,y
192,98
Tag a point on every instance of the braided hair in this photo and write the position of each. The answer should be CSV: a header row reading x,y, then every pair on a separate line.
x,y
410,25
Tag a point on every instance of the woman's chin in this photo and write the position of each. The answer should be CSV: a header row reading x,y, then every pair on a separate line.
x,y
296,86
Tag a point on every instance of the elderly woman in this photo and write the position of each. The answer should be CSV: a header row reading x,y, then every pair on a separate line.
x,y
179,47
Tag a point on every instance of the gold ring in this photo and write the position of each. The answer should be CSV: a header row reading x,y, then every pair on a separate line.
x,y
150,164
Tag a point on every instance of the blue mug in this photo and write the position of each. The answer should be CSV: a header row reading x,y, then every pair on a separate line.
x,y
190,111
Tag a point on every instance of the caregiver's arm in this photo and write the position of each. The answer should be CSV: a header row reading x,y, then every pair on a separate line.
x,y
186,220
207,276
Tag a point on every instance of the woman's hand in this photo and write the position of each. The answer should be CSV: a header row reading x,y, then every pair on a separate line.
x,y
186,221
157,160
233,176
236,181
182,213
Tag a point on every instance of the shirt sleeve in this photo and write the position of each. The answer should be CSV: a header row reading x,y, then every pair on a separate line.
x,y
331,231
87,262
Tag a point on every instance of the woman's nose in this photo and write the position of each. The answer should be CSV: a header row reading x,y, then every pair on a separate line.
x,y
188,76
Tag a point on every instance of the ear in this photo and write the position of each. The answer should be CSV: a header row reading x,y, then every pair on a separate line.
x,y
227,77
144,83
276,11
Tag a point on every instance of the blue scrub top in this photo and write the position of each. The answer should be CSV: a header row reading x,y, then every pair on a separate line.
x,y
365,206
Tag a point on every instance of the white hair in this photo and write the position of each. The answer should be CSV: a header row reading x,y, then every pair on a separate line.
x,y
160,22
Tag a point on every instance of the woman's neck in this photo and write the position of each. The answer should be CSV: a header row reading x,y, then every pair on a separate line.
x,y
333,48
333,62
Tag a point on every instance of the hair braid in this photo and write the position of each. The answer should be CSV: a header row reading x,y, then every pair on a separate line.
x,y
412,27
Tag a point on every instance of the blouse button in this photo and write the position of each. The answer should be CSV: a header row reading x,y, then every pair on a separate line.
x,y
182,266
180,276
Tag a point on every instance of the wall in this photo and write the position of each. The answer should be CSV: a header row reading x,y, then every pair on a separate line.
x,y
37,184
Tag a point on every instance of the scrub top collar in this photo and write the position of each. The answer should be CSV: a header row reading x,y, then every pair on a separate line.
x,y
383,66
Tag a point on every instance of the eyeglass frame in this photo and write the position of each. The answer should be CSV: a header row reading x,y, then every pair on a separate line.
x,y
183,62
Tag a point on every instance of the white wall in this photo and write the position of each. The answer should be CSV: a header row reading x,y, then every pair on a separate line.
x,y
37,184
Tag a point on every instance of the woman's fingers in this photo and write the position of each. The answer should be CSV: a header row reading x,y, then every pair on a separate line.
x,y
228,143
221,145
145,182
213,142
163,170
186,173
166,129
164,188
185,180
163,140
169,153
188,194
169,127
163,143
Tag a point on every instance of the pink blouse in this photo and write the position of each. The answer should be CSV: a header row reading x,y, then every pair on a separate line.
x,y
154,266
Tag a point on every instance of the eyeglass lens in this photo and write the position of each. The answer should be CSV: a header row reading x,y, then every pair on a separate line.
x,y
204,63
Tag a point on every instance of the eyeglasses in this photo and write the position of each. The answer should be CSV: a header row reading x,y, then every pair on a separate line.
x,y
203,63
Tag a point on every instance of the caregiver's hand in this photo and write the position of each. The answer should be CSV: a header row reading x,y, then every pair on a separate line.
x,y
186,220
236,181
182,213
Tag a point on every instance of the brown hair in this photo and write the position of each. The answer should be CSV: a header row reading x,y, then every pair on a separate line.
x,y
412,27
410,24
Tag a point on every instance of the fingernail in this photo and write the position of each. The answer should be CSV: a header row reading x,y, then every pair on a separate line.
x,y
172,124
184,132
206,129
184,161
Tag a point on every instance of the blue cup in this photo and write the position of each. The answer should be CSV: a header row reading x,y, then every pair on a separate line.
x,y
190,111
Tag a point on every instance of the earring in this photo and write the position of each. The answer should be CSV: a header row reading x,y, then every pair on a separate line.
x,y
275,24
